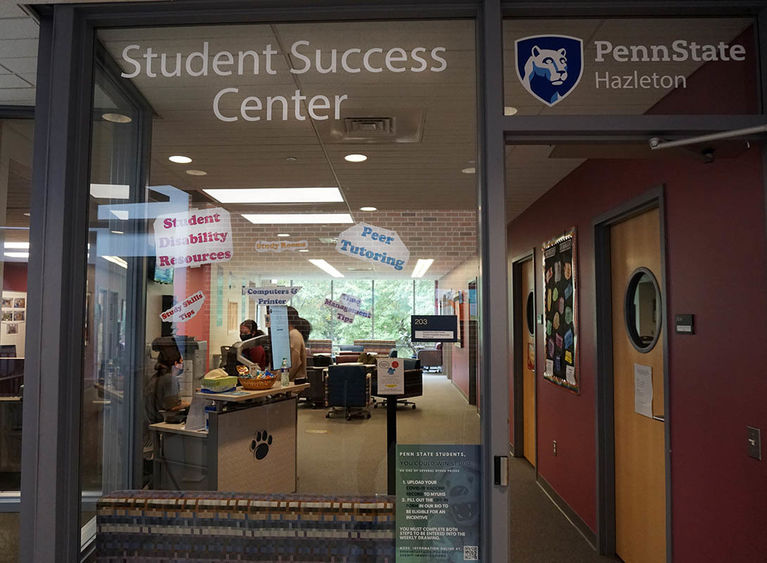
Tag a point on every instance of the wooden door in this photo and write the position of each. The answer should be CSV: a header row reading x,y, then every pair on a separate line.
x,y
640,469
528,362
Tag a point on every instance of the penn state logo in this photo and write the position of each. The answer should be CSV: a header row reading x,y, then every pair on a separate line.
x,y
549,66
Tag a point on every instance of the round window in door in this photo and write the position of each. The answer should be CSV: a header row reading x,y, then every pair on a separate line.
x,y
642,310
531,313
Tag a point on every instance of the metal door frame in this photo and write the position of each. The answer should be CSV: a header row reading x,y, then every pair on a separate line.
x,y
50,529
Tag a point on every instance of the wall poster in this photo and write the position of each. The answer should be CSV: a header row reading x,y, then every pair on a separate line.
x,y
438,502
560,311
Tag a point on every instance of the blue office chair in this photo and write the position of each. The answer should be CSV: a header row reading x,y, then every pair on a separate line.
x,y
348,391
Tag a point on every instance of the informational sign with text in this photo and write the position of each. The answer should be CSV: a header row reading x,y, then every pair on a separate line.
x,y
272,294
185,310
391,376
193,238
375,245
438,503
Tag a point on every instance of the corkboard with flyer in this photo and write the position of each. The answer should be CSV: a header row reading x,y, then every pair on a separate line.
x,y
560,311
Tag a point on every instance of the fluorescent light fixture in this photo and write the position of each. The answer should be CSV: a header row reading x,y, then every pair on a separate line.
x,y
110,191
116,118
197,172
26,214
303,250
117,232
368,208
469,170
17,254
355,158
180,159
116,260
16,245
276,195
283,235
297,218
325,267
421,266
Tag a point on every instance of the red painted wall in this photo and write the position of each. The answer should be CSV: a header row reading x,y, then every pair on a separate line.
x,y
195,279
15,276
716,259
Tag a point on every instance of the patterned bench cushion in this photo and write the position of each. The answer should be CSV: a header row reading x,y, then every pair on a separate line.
x,y
212,526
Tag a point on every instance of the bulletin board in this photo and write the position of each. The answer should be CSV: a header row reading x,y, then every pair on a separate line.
x,y
14,320
560,299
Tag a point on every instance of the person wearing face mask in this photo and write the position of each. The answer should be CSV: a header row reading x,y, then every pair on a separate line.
x,y
256,354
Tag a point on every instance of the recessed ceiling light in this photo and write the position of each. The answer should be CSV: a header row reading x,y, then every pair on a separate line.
x,y
276,195
26,214
469,170
297,218
116,118
180,159
291,158
283,234
197,172
325,267
509,110
368,208
355,158
421,266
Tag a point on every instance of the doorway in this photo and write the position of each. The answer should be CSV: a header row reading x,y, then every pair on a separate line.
x,y
632,414
523,303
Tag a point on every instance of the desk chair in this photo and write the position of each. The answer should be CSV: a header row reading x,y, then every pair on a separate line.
x,y
348,391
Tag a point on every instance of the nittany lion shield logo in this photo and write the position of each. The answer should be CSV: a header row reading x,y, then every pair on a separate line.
x,y
549,66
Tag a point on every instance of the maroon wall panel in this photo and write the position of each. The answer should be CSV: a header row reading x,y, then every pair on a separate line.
x,y
716,269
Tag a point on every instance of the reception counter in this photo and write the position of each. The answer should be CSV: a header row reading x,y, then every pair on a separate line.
x,y
249,446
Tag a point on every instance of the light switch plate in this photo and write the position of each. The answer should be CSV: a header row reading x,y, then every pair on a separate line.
x,y
754,442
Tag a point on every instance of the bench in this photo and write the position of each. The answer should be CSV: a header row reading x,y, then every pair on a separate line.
x,y
214,526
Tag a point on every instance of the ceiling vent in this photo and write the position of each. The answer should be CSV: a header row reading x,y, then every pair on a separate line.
x,y
369,126
397,126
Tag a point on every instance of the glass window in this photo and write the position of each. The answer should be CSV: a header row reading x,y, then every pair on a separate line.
x,y
630,66
15,185
337,158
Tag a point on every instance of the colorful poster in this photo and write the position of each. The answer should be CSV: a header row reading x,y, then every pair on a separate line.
x,y
373,244
193,238
391,376
438,503
559,305
185,310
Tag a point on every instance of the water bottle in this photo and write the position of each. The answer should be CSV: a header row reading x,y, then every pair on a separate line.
x,y
284,373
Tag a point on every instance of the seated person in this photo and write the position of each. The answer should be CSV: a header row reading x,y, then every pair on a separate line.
x,y
299,330
161,392
257,354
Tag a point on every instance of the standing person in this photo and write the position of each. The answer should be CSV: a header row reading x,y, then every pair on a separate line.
x,y
297,327
257,354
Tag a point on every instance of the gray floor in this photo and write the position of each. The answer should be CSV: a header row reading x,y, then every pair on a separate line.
x,y
539,530
341,457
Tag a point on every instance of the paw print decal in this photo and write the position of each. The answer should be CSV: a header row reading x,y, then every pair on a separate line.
x,y
260,446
